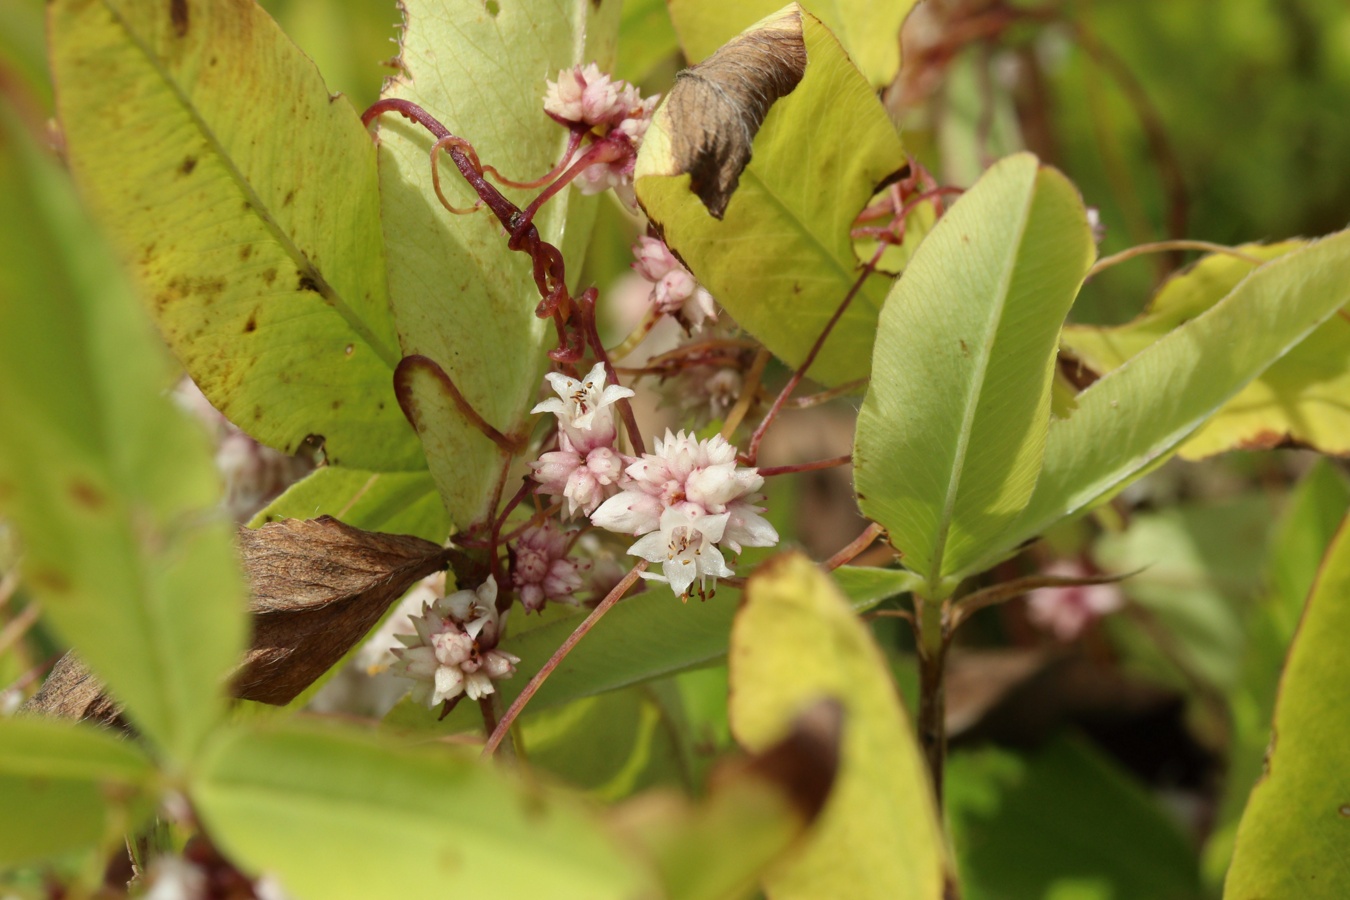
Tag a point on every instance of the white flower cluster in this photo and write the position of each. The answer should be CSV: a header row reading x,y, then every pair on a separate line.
x,y
682,501
587,466
455,648
675,292
583,95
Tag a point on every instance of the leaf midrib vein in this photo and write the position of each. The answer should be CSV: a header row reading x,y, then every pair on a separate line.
x,y
973,395
326,290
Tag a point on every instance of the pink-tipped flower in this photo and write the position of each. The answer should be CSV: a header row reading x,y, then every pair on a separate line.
x,y
1068,611
582,481
541,570
455,648
694,496
584,95
675,292
584,408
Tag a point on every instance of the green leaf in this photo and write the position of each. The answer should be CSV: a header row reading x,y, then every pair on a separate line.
x,y
399,821
66,786
245,198
1300,540
951,434
646,39
1292,838
796,641
801,263
1131,418
868,29
1303,398
611,745
111,487
1197,572
648,636
390,502
459,296
1063,822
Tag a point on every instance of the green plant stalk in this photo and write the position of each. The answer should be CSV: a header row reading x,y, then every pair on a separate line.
x,y
930,625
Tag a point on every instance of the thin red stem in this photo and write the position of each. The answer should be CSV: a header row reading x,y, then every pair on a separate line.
x,y
586,302
547,264
601,151
752,452
402,389
770,471
573,143
613,597
853,548
504,597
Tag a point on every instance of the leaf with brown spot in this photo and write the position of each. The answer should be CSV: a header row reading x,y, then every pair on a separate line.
x,y
112,486
795,640
717,175
317,587
755,811
195,127
719,105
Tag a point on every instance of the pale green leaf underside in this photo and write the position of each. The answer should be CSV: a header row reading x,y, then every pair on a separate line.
x,y
1304,397
795,641
1294,834
459,296
951,434
58,782
110,486
246,199
868,29
389,502
403,822
1130,418
781,260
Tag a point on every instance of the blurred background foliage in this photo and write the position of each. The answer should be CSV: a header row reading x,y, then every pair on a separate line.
x,y
1112,765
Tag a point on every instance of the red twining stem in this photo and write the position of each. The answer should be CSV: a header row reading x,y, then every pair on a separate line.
x,y
752,452
586,303
403,374
573,144
548,267
559,655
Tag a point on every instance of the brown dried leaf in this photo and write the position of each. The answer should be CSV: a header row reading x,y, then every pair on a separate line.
x,y
72,692
317,587
716,107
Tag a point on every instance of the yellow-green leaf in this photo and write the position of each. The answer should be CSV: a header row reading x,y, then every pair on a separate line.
x,y
1127,421
112,488
336,814
66,786
245,199
779,258
1294,834
1303,398
459,296
795,641
391,502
